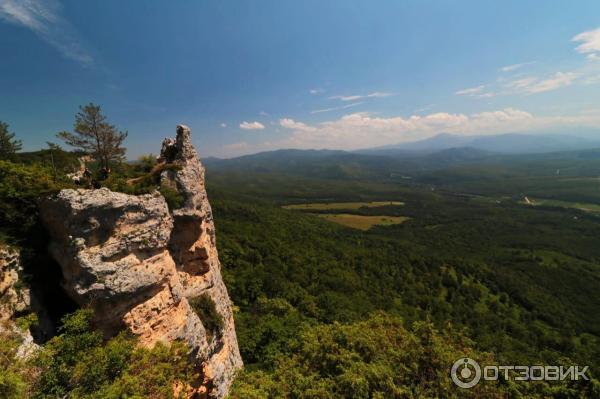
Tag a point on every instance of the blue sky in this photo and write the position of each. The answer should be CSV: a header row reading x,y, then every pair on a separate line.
x,y
248,76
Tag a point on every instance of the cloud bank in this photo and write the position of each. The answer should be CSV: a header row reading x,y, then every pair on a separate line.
x,y
361,130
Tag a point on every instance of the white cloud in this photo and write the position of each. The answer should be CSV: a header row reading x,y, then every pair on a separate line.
x,y
586,74
361,130
263,113
376,94
558,80
379,94
590,41
346,98
318,111
593,57
292,124
252,125
477,92
470,91
521,84
514,67
531,85
44,19
223,124
316,91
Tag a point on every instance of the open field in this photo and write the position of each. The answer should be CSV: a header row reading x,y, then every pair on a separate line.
x,y
362,222
341,205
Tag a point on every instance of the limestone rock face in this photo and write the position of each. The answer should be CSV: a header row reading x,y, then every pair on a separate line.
x,y
15,299
143,267
12,299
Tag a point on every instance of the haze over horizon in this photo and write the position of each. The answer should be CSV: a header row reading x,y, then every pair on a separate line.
x,y
249,77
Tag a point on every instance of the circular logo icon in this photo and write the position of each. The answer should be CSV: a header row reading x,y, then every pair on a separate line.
x,y
465,373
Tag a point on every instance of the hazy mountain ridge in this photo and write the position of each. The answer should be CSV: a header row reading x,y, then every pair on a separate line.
x,y
509,143
384,164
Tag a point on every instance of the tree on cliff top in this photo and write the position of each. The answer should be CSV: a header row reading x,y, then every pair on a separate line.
x,y
8,145
94,135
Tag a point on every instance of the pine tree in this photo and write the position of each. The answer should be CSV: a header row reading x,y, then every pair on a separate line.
x,y
95,136
8,145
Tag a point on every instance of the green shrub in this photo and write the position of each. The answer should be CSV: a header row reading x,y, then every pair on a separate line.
x,y
20,188
173,197
206,310
13,384
78,363
26,322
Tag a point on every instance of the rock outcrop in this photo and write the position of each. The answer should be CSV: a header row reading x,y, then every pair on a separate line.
x,y
15,299
154,271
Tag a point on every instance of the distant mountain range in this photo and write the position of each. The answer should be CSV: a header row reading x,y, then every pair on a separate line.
x,y
513,143
390,162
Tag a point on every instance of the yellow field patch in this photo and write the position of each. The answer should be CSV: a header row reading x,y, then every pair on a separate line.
x,y
362,222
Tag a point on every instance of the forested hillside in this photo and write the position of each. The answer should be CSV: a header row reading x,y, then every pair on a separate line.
x,y
519,281
327,311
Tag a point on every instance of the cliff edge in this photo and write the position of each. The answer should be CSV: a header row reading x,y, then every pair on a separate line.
x,y
149,269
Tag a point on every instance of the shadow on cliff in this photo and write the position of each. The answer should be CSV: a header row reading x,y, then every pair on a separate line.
x,y
44,277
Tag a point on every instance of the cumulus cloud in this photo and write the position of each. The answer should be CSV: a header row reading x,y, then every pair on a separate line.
x,y
590,41
316,91
360,129
251,125
44,19
292,124
223,124
363,130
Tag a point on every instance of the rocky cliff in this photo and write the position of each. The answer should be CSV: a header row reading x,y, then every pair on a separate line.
x,y
12,298
15,299
152,270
